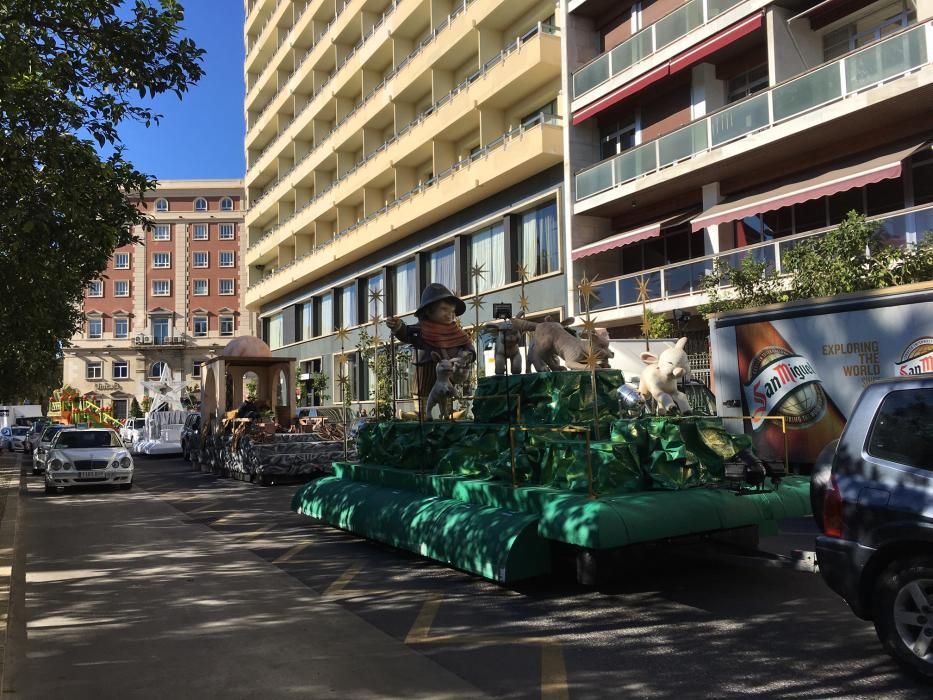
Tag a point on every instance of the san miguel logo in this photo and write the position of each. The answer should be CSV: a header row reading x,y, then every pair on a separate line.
x,y
917,358
781,383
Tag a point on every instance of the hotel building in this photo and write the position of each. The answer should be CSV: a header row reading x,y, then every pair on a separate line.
x,y
171,300
394,143
737,128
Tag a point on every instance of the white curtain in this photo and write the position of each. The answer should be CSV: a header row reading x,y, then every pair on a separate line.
x,y
349,306
376,308
487,249
307,329
539,240
276,339
442,268
406,296
530,243
327,313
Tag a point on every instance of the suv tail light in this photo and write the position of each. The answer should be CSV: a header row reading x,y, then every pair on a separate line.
x,y
832,510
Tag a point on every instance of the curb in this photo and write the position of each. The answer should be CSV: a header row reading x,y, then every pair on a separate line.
x,y
12,572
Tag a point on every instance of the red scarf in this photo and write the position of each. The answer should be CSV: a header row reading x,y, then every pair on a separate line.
x,y
443,335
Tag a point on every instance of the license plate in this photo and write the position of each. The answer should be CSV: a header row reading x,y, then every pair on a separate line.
x,y
91,475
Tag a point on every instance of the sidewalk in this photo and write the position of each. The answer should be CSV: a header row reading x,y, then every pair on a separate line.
x,y
125,597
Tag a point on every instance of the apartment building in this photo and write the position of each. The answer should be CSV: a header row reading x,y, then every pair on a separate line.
x,y
394,143
736,128
171,300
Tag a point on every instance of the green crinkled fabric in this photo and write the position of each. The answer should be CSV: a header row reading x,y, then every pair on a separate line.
x,y
547,398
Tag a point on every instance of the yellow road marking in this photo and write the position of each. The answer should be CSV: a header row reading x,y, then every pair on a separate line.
x,y
418,634
553,672
255,533
223,520
344,579
297,549
205,507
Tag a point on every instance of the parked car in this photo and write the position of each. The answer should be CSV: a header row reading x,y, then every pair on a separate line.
x,y
88,456
13,438
41,450
190,435
35,432
873,489
131,430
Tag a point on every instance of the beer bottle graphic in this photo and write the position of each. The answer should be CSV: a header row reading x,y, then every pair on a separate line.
x,y
776,381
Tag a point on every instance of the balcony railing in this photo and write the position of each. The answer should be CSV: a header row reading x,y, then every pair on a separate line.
x,y
686,278
642,44
159,341
540,28
459,165
861,69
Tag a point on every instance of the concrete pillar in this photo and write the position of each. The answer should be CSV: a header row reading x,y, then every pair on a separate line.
x,y
711,197
707,94
924,10
491,125
792,47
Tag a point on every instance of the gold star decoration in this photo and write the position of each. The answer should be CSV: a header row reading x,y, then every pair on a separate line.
x,y
478,271
375,295
477,303
642,289
342,334
343,380
586,290
589,325
645,328
592,359
375,319
523,302
522,272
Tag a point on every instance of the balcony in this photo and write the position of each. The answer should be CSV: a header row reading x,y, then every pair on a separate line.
x,y
510,159
682,283
144,341
514,66
811,93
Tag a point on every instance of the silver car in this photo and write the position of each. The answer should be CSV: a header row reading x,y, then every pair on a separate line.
x,y
14,438
88,457
42,448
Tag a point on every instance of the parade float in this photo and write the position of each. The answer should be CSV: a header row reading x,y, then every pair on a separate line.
x,y
68,406
169,404
257,438
566,462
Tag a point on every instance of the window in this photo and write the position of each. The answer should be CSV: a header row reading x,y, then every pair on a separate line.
x,y
539,252
276,335
200,258
441,267
161,204
156,369
327,313
226,232
227,258
121,288
307,320
121,327
161,288
616,137
121,369
160,330
200,326
748,83
226,287
487,249
226,325
199,233
95,328
377,306
348,306
95,288
94,370
870,27
901,432
121,261
406,292
196,369
200,204
548,110
161,260
162,232
120,409
199,288
226,204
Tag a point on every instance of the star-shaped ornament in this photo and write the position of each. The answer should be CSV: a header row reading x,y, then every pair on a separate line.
x,y
375,295
476,303
343,334
592,359
478,271
376,319
589,324
586,290
523,302
642,289
522,272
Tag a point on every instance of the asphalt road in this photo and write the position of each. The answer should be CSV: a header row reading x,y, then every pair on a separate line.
x,y
678,627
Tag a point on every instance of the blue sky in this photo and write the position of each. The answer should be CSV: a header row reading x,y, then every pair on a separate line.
x,y
201,135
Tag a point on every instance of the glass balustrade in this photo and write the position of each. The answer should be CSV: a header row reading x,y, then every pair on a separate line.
x,y
890,57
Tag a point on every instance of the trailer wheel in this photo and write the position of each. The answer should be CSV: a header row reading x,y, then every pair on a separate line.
x,y
591,569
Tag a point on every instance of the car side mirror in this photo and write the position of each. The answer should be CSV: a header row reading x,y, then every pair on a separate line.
x,y
732,403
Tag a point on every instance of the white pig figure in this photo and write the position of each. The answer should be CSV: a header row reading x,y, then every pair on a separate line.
x,y
659,378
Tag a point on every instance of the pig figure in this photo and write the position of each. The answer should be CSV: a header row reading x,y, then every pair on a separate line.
x,y
659,378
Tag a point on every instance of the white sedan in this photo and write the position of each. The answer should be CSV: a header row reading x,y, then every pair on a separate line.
x,y
87,457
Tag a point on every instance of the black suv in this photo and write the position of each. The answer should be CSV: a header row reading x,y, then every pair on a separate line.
x,y
873,492
190,435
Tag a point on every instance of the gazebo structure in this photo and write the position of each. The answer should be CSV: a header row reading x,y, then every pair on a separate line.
x,y
224,376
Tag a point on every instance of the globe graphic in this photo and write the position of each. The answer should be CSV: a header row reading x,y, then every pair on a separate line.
x,y
804,405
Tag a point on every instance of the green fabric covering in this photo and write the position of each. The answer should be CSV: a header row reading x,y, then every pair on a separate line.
x,y
433,446
547,398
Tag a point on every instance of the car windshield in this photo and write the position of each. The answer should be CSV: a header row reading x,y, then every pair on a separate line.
x,y
139,423
86,439
49,432
21,432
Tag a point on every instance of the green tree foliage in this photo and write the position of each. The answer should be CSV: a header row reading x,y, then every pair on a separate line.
x,y
853,257
657,325
70,73
135,410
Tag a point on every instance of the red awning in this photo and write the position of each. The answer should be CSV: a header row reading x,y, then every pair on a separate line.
x,y
627,237
679,62
801,189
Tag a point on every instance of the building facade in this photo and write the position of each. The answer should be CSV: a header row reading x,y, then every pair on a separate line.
x,y
737,128
391,144
173,299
